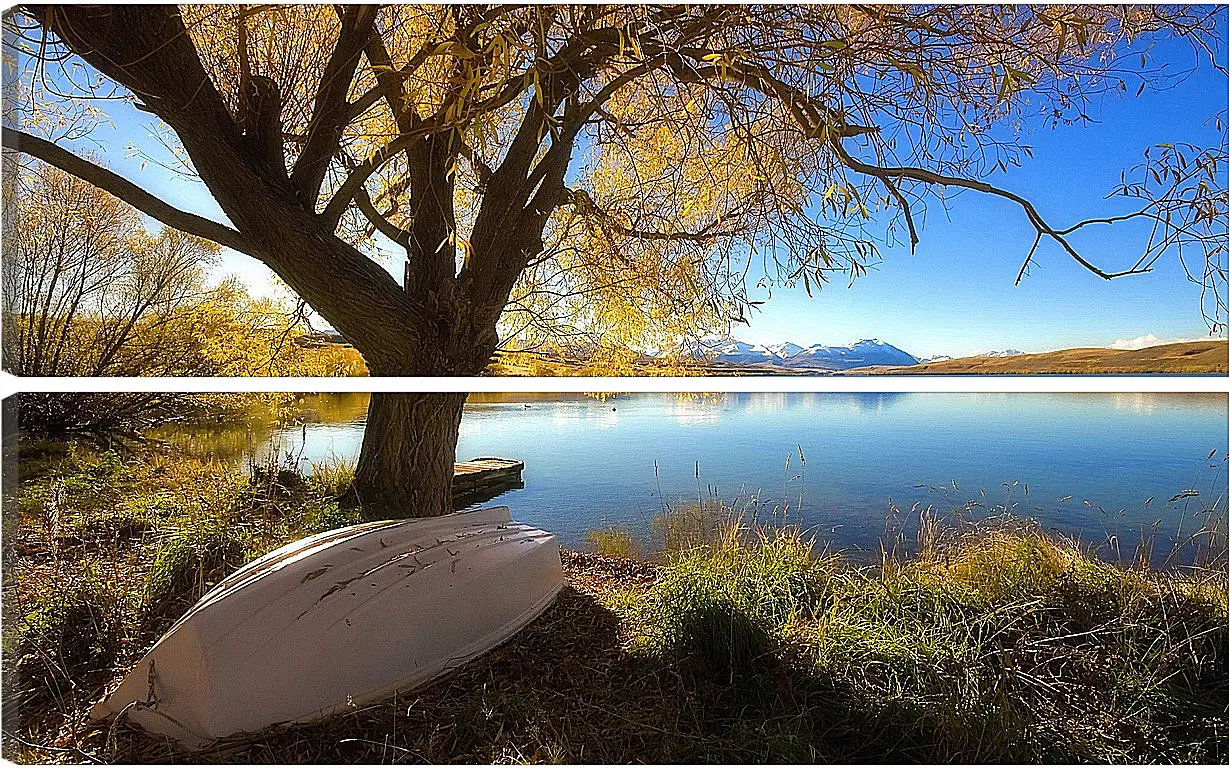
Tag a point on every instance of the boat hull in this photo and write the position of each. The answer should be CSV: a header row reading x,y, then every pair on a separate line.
x,y
340,619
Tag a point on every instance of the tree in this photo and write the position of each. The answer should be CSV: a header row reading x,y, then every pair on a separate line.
x,y
85,287
616,168
89,292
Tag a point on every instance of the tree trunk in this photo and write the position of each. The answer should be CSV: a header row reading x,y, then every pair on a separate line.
x,y
409,448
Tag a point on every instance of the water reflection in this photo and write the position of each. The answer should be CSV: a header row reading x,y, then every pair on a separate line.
x,y
1085,464
335,407
778,402
689,412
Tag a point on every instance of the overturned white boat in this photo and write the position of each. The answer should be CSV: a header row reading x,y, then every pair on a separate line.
x,y
339,619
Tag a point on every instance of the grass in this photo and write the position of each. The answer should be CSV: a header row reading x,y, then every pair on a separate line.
x,y
990,642
333,477
70,639
189,558
615,541
995,643
104,550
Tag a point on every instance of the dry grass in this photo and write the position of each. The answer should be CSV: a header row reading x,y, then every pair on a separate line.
x,y
1196,357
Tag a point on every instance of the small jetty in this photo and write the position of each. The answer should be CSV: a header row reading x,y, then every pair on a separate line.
x,y
482,479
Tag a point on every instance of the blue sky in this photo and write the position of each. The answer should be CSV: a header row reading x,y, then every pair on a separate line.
x,y
955,296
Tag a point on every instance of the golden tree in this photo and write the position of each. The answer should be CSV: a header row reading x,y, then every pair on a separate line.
x,y
88,292
597,171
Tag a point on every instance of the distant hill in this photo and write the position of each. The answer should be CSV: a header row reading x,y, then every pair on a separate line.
x,y
1187,357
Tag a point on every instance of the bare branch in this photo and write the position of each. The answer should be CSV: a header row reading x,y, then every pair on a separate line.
x,y
125,190
332,111
931,177
379,220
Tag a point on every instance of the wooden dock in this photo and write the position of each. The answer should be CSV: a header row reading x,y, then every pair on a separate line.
x,y
484,478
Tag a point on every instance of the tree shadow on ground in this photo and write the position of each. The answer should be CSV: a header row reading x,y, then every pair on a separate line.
x,y
567,689
564,689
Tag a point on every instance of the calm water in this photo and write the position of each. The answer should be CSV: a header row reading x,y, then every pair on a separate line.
x,y
1084,464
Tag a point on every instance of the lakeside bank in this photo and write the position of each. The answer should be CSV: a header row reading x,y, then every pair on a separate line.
x,y
994,642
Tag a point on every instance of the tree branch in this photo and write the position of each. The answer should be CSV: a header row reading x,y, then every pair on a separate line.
x,y
816,119
363,171
332,111
585,205
125,190
388,80
481,169
931,177
563,142
379,220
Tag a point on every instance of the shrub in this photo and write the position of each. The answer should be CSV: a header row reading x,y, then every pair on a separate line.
x,y
320,516
72,634
191,558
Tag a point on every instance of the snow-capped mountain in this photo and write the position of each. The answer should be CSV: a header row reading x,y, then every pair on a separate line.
x,y
731,351
784,350
935,359
857,355
1002,353
789,355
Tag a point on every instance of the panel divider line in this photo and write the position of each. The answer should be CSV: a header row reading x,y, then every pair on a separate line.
x,y
867,383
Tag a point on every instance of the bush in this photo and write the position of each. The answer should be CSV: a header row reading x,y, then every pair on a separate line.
x,y
72,635
320,516
192,558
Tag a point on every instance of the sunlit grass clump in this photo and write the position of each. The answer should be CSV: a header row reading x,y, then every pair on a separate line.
x,y
332,477
614,541
992,644
722,606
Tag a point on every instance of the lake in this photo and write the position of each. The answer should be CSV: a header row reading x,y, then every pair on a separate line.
x,y
1094,466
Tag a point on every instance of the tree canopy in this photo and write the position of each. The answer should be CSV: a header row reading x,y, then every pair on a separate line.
x,y
603,172
638,158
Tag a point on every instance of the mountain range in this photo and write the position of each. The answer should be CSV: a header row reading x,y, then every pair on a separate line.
x,y
787,354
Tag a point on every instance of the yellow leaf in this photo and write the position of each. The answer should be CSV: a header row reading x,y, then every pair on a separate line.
x,y
453,47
